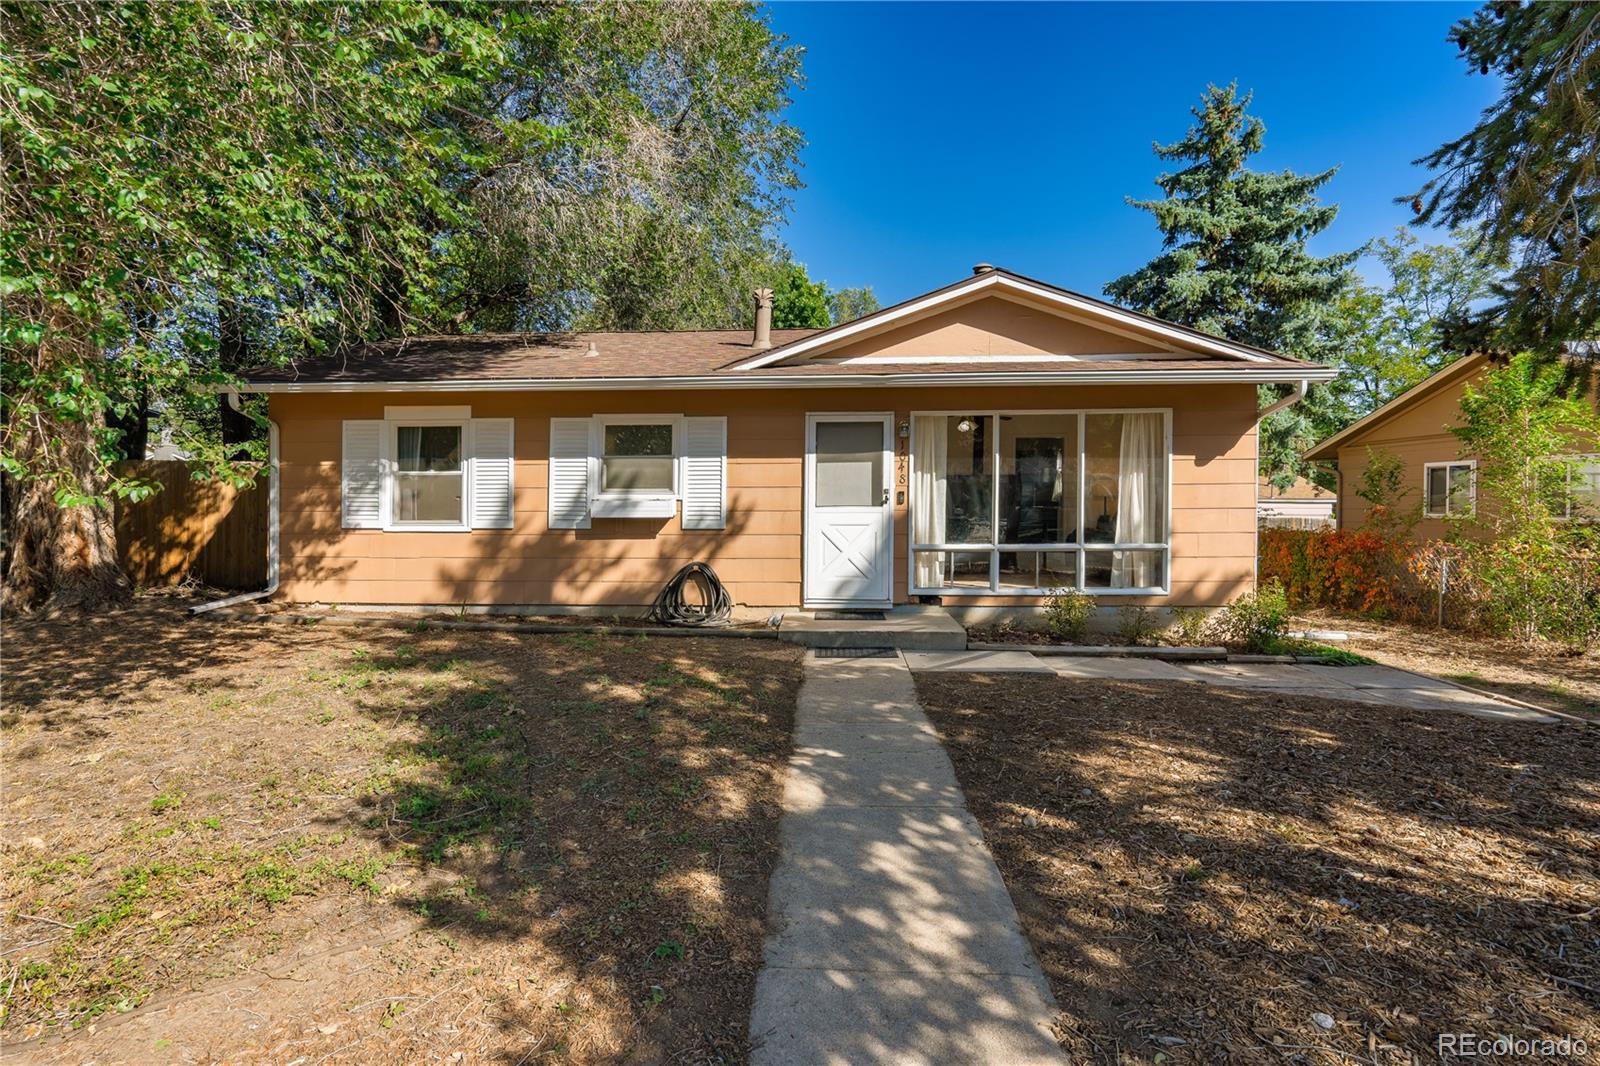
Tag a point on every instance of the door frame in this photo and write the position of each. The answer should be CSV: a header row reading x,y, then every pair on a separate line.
x,y
808,489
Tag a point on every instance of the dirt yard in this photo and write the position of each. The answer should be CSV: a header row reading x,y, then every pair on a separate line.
x,y
1221,876
231,842
1549,676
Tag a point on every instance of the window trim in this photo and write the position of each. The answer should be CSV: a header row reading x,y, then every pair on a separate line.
x,y
995,548
601,422
1472,488
391,471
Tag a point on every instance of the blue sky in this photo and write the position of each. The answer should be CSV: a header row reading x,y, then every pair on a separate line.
x,y
940,135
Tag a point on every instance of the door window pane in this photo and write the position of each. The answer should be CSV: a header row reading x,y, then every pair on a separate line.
x,y
849,464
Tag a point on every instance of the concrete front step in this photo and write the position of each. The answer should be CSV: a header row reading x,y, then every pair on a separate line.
x,y
912,627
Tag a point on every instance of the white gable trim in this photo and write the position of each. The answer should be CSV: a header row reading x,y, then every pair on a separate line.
x,y
1002,283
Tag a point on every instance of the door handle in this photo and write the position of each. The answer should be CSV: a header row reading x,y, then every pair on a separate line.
x,y
886,497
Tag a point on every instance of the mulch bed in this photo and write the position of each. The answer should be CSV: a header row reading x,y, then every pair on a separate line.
x,y
1210,875
228,842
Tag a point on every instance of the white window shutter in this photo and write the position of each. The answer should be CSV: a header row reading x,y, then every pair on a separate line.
x,y
361,475
705,472
569,473
492,466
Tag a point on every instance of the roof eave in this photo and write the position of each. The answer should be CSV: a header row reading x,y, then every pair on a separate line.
x,y
1258,374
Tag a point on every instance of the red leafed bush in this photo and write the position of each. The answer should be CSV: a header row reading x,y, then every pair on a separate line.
x,y
1353,570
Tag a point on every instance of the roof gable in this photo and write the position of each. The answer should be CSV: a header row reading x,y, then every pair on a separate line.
x,y
996,313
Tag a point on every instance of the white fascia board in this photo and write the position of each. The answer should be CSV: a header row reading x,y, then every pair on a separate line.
x,y
1091,309
1288,375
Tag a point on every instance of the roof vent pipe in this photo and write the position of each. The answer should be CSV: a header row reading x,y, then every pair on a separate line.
x,y
593,351
763,338
982,268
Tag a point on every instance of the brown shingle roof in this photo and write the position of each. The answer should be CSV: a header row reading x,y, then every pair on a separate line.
x,y
691,353
509,356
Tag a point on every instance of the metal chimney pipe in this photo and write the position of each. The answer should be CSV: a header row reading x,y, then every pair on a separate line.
x,y
763,338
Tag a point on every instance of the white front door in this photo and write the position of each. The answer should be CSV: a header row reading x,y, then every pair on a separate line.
x,y
849,471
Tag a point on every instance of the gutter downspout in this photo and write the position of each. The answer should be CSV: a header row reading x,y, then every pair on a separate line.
x,y
272,523
1290,400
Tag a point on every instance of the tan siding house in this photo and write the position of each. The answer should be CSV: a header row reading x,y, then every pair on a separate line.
x,y
976,447
1415,427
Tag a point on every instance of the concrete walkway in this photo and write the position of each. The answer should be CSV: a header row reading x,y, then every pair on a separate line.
x,y
1378,685
891,938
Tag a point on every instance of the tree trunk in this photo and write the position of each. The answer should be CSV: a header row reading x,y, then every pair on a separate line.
x,y
61,558
233,354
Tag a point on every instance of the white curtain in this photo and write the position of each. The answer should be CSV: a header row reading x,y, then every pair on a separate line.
x,y
1141,502
931,449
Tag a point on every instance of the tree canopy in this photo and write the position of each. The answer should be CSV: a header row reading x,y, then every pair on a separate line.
x,y
192,187
1529,172
1235,261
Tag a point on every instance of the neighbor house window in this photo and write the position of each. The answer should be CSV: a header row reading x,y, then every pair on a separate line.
x,y
1577,492
429,475
1025,502
1449,489
638,457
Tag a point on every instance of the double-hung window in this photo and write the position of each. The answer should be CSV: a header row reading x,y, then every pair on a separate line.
x,y
1449,489
1025,502
429,475
638,457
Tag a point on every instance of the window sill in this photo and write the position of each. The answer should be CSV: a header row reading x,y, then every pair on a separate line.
x,y
426,527
633,506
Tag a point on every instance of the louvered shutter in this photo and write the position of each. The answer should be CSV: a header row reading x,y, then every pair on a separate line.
x,y
705,472
569,473
361,473
492,467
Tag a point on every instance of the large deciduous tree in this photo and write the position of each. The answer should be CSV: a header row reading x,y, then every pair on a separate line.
x,y
191,187
1234,260
1389,337
1529,172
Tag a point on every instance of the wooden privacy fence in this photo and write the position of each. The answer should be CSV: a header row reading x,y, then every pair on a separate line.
x,y
205,529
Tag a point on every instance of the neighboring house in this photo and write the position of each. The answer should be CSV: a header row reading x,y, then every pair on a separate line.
x,y
1415,427
975,446
1302,505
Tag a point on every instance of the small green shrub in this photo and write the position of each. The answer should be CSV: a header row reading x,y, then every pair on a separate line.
x,y
1137,625
1067,613
1189,624
1256,621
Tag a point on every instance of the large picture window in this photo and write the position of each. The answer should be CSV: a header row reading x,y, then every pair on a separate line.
x,y
1026,502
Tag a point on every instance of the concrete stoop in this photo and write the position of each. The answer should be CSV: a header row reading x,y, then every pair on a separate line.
x,y
917,628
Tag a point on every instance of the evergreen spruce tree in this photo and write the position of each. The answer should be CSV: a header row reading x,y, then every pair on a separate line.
x,y
1234,259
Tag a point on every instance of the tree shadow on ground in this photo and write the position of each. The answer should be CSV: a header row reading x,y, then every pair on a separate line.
x,y
1211,869
590,820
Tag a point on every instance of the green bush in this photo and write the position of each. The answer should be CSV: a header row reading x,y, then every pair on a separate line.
x,y
1189,624
1256,621
1067,613
1137,625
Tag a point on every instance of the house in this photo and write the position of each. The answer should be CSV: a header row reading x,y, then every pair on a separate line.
x,y
977,446
1435,475
1303,505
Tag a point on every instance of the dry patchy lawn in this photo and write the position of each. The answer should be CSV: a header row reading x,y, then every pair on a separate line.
x,y
1212,868
1550,676
271,843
